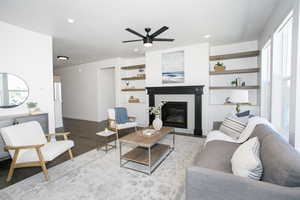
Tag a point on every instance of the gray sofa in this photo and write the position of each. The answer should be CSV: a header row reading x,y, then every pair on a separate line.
x,y
211,176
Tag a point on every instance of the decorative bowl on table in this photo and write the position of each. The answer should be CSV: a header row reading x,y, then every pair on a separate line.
x,y
148,132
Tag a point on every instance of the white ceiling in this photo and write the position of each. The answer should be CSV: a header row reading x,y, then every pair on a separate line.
x,y
99,24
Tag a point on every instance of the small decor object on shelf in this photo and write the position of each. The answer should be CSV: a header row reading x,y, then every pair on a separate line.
x,y
239,97
219,67
127,84
32,107
157,123
237,82
133,100
141,73
234,83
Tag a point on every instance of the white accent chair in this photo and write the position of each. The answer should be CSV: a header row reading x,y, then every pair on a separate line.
x,y
112,124
28,146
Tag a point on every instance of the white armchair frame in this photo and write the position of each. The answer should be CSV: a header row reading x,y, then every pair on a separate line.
x,y
41,162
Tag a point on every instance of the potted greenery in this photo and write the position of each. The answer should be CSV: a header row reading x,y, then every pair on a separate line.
x,y
219,66
157,123
31,107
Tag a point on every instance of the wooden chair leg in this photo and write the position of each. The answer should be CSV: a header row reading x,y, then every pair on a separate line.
x,y
42,162
71,154
12,166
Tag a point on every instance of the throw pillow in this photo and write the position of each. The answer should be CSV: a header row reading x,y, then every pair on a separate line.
x,y
243,114
233,126
246,160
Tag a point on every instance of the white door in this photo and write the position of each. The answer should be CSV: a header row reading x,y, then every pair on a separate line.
x,y
58,105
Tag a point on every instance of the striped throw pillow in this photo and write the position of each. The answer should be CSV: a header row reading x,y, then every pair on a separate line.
x,y
246,161
233,126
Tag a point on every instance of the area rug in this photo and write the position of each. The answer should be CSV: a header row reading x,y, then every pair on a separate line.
x,y
96,176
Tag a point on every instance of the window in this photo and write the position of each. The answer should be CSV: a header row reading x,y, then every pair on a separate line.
x,y
281,76
266,81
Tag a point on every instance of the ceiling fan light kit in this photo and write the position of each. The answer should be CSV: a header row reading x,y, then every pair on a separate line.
x,y
148,39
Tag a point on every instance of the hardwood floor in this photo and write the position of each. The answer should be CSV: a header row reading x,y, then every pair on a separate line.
x,y
83,135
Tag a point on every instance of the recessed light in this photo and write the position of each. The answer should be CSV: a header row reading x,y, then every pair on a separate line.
x,y
62,58
70,20
207,36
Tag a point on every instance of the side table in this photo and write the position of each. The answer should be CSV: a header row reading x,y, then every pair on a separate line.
x,y
105,135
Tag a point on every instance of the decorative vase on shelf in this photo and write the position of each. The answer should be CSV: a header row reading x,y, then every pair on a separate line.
x,y
157,123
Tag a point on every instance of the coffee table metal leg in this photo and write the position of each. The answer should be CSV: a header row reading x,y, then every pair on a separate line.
x,y
173,141
116,142
149,161
120,147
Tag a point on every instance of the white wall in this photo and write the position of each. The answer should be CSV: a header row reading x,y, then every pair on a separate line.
x,y
196,63
81,92
279,13
106,91
29,55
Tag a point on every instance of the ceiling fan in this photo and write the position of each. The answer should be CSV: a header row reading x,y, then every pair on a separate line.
x,y
148,39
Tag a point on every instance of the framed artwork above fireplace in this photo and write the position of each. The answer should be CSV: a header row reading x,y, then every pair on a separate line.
x,y
173,67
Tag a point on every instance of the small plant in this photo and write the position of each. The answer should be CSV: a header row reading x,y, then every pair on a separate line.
x,y
220,64
31,104
156,110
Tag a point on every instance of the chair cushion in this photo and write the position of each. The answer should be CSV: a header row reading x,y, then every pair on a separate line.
x,y
280,160
29,133
126,125
216,155
49,151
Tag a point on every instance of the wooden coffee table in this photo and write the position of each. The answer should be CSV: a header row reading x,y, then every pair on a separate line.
x,y
147,150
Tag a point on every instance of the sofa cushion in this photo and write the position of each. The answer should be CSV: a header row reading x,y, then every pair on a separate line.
x,y
281,162
216,155
233,126
246,161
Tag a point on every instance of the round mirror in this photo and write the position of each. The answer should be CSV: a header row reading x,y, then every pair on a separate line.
x,y
13,91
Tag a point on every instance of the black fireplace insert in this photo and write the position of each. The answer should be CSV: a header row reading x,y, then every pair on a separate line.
x,y
175,114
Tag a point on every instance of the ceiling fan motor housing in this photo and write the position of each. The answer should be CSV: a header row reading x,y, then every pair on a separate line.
x,y
147,40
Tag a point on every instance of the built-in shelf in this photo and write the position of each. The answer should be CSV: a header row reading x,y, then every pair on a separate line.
x,y
133,67
133,78
233,88
133,89
134,103
234,55
235,71
228,104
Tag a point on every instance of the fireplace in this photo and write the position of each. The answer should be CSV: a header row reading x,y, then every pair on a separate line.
x,y
196,90
175,114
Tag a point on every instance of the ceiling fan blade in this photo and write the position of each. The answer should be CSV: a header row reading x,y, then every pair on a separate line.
x,y
131,41
159,31
134,32
163,39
